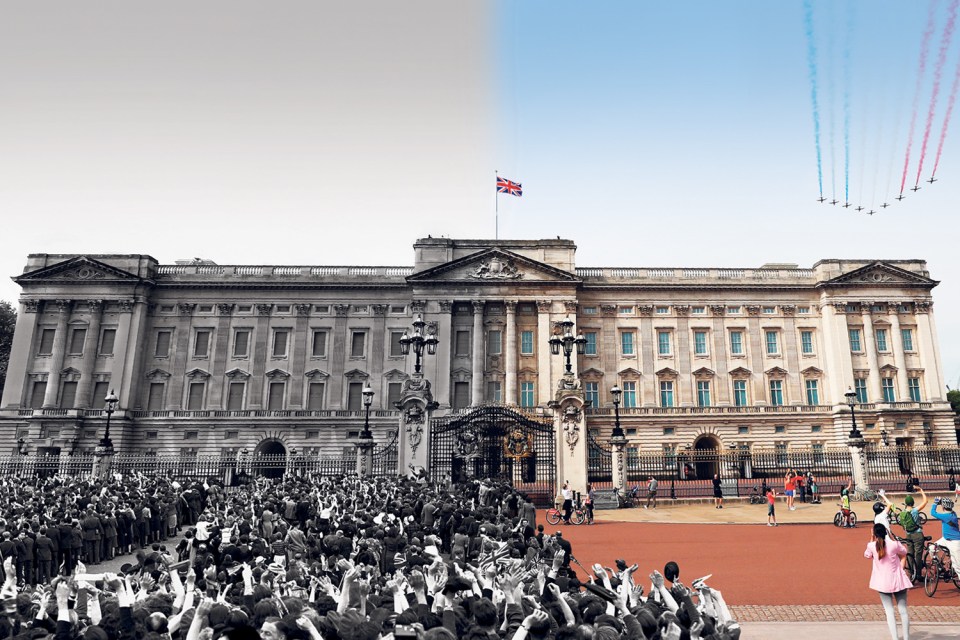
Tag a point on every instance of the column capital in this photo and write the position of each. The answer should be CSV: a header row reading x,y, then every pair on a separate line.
x,y
30,306
63,306
225,308
340,310
186,308
478,306
95,306
646,310
718,309
417,306
788,309
570,306
544,306
378,309
446,306
681,309
753,309
510,306
126,306
608,310
923,306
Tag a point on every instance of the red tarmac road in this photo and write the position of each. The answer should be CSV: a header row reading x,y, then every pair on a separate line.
x,y
751,564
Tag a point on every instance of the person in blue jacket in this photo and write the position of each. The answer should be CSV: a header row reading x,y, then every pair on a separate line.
x,y
951,527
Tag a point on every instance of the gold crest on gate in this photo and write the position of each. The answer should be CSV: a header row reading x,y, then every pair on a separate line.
x,y
518,444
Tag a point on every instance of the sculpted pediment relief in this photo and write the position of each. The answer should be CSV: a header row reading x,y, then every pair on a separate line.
x,y
740,372
493,266
79,269
881,273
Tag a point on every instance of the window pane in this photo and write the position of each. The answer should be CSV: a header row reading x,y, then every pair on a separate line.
x,y
663,343
235,396
736,342
776,392
155,399
590,348
358,343
740,393
881,339
395,343
463,343
626,343
494,392
195,399
163,344
771,342
241,344
526,342
592,393
526,394
855,340
461,395
806,341
202,344
914,384
280,343
666,394
76,341
276,396
860,386
36,395
393,394
68,395
315,396
907,335
888,394
494,346
100,391
107,338
629,394
46,342
700,343
320,344
703,393
813,395
354,397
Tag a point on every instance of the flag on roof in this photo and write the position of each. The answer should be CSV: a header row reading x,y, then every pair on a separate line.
x,y
509,186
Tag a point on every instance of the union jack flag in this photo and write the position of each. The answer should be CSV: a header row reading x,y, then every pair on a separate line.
x,y
509,186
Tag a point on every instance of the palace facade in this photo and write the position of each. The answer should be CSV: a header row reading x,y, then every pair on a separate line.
x,y
209,358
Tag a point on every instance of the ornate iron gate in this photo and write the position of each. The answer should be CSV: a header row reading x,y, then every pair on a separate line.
x,y
384,461
599,462
497,442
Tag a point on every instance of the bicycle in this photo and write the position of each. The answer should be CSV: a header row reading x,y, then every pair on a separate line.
x,y
911,564
838,518
864,495
938,565
578,515
756,497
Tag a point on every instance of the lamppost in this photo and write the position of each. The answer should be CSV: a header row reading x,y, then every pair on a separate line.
x,y
851,397
617,440
884,436
565,340
109,406
417,341
365,443
21,446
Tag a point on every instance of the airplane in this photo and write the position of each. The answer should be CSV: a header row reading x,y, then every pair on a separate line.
x,y
859,208
871,212
885,205
932,180
846,205
901,197
821,199
915,188
834,201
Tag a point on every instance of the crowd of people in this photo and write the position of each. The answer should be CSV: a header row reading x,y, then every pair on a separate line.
x,y
312,557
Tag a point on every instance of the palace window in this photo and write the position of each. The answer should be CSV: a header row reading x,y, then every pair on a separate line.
x,y
740,393
527,398
626,343
776,392
700,343
703,393
888,393
319,344
806,342
666,393
906,336
881,339
736,343
526,343
855,344
629,394
663,343
860,386
590,348
813,392
591,392
914,385
772,348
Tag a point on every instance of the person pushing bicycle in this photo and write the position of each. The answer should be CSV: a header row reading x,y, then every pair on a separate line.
x,y
909,519
845,502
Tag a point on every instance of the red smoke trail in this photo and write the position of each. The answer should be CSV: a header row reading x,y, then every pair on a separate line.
x,y
937,76
946,117
924,46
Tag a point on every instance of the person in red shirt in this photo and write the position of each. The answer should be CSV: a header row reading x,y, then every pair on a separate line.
x,y
789,486
771,507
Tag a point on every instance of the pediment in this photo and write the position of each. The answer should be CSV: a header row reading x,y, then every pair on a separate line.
x,y
157,374
704,372
493,266
70,371
355,374
277,373
394,375
667,372
889,369
740,372
316,373
591,373
629,372
811,372
78,270
198,373
881,273
237,372
776,372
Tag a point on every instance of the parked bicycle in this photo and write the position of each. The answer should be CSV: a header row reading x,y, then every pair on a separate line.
x,y
938,565
578,515
756,497
864,495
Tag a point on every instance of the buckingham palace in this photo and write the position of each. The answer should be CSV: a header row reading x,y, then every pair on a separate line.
x,y
203,358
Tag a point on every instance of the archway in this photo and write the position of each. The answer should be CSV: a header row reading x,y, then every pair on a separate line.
x,y
270,459
705,458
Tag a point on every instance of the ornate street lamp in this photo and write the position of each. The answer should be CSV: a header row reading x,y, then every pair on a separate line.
x,y
109,406
418,341
563,339
851,397
21,446
367,401
617,429
884,436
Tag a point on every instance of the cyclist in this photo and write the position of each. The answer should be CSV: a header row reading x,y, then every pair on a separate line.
x,y
567,494
588,503
881,514
909,519
951,527
845,502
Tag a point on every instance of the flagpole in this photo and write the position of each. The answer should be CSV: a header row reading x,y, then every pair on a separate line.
x,y
496,208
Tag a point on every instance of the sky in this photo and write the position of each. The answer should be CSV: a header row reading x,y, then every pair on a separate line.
x,y
311,132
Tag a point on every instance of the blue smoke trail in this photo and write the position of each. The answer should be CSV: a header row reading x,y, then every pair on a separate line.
x,y
812,69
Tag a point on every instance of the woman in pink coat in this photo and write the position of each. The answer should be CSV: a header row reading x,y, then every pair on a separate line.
x,y
889,578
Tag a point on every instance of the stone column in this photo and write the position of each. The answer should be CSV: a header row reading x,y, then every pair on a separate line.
x,y
858,463
927,347
571,428
686,391
899,359
378,349
648,344
837,363
870,347
56,357
416,408
128,351
796,390
722,386
755,336
444,349
181,355
510,396
365,457
476,377
340,339
545,380
89,360
21,354
219,355
618,445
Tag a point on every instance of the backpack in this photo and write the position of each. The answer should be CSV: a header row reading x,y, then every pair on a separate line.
x,y
908,522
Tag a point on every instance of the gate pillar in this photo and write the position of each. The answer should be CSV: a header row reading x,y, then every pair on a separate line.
x,y
570,426
416,405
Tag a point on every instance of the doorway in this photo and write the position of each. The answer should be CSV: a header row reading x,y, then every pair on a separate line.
x,y
270,459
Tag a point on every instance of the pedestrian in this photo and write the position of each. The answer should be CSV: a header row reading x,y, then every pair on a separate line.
x,y
888,577
717,492
801,487
651,494
567,494
771,507
789,485
588,503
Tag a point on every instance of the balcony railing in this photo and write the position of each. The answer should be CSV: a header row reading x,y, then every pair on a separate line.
x,y
701,274
307,272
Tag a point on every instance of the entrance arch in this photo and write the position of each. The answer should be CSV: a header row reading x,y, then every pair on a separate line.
x,y
705,456
270,459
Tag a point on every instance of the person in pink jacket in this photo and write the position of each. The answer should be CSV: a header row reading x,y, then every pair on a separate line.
x,y
889,578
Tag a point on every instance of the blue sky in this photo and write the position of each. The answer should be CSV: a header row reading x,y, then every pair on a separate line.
x,y
651,133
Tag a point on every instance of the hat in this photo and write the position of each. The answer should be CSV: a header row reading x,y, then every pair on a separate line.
x,y
671,571
432,551
601,592
95,633
908,501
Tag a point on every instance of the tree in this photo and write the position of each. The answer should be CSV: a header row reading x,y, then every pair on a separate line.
x,y
8,322
953,396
